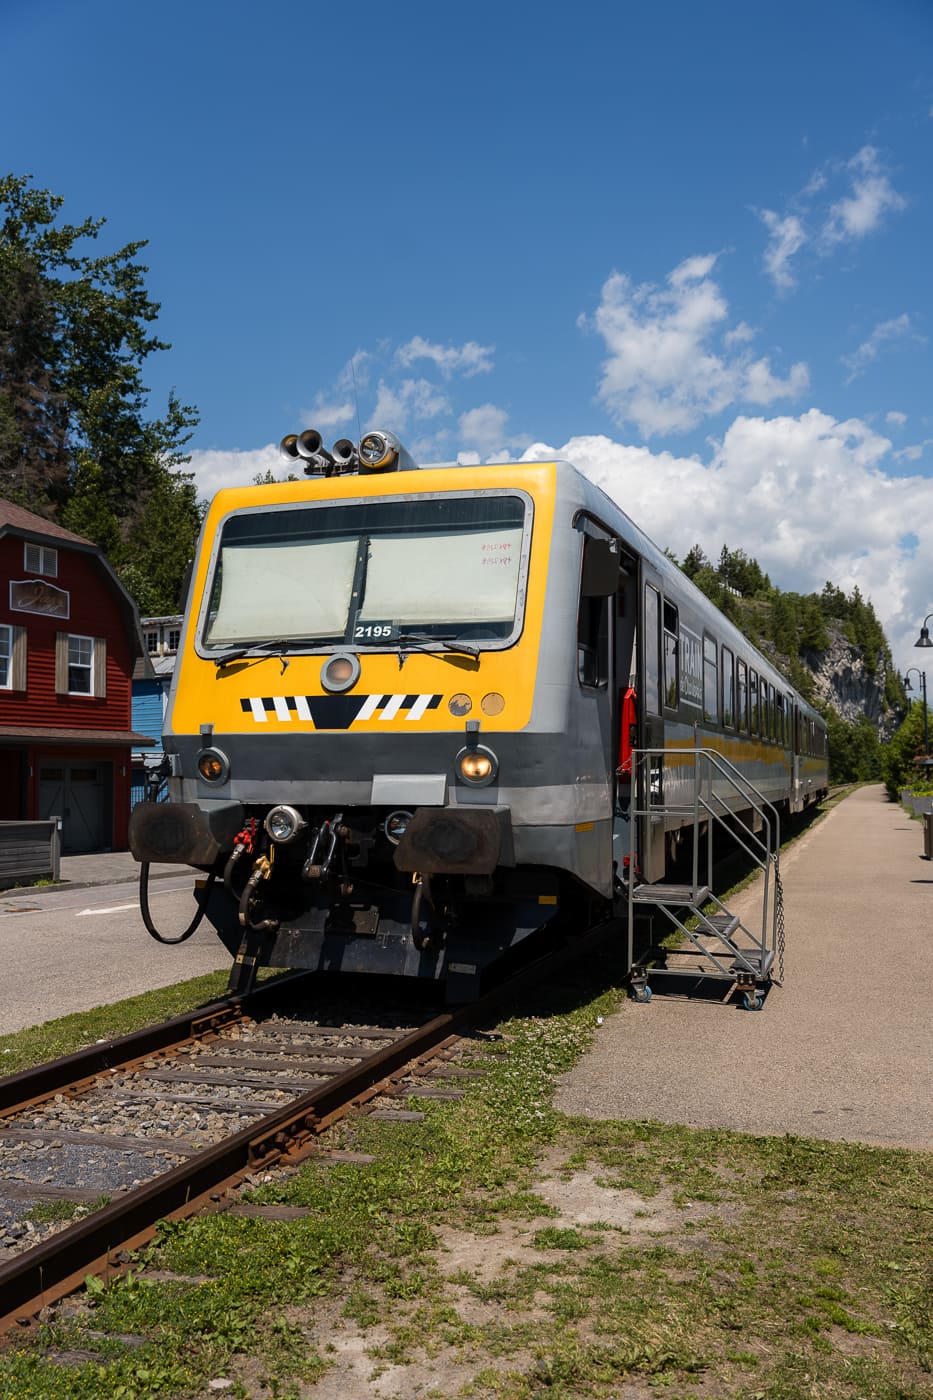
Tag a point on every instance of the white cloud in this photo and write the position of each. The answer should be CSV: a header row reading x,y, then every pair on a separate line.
x,y
895,418
807,496
411,399
885,335
664,373
814,219
739,335
467,359
787,238
326,415
483,429
761,386
913,453
872,196
214,469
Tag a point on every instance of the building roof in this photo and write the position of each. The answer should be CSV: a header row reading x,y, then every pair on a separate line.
x,y
158,668
20,520
16,520
88,738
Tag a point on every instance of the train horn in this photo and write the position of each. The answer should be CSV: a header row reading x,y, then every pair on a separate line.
x,y
345,454
311,445
289,447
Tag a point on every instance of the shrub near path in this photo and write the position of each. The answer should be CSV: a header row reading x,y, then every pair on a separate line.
x,y
500,1249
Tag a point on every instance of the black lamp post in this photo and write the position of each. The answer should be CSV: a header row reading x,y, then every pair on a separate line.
x,y
924,639
923,695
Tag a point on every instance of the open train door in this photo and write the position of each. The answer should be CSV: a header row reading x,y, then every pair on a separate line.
x,y
650,770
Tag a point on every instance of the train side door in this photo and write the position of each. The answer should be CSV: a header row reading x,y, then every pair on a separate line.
x,y
796,802
650,787
626,724
598,584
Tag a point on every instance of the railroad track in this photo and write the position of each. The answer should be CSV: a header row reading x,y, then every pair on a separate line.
x,y
168,1121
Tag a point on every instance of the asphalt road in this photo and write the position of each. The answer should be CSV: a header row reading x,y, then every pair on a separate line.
x,y
70,949
843,1050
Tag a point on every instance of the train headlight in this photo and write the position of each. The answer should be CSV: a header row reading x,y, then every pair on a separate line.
x,y
213,766
377,451
340,672
283,824
477,766
396,824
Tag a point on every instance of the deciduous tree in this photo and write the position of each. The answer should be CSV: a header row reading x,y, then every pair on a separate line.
x,y
76,441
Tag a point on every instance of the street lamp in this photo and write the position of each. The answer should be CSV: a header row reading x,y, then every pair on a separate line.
x,y
923,694
924,639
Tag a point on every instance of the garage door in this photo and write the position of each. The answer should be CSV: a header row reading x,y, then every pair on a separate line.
x,y
79,793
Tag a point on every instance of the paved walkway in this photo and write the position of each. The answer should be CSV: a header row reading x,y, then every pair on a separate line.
x,y
844,1050
101,868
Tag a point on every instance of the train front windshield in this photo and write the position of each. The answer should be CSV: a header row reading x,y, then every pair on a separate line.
x,y
365,573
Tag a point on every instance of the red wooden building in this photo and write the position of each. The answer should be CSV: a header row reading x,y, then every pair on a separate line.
x,y
69,638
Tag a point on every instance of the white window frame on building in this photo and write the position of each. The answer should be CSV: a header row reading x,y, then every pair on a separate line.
x,y
40,559
80,665
80,658
12,657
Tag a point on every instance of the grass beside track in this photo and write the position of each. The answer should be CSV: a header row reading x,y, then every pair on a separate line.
x,y
36,1044
762,1268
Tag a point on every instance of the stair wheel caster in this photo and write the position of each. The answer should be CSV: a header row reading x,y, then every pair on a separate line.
x,y
753,1001
641,992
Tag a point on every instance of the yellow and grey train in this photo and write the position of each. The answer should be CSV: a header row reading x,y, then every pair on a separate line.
x,y
400,729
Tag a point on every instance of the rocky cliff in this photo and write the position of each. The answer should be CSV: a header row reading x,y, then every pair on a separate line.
x,y
853,685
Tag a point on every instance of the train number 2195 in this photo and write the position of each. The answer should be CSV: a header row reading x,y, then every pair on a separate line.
x,y
370,631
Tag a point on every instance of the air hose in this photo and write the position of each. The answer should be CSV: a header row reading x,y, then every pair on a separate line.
x,y
202,897
261,871
422,938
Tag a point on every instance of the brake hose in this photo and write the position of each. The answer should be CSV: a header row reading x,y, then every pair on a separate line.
x,y
201,897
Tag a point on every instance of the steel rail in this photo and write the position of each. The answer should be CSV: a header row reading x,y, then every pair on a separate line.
x,y
58,1265
29,1086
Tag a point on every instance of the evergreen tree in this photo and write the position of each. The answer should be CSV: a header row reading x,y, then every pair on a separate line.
x,y
694,562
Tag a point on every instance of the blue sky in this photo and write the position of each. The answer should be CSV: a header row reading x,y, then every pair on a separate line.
x,y
687,246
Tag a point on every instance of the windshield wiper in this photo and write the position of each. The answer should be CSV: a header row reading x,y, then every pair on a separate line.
x,y
277,648
421,641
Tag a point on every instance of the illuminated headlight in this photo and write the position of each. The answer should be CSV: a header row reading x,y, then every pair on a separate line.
x,y
395,825
477,766
340,672
213,766
376,451
283,824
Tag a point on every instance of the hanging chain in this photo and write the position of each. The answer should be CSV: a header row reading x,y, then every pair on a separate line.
x,y
779,916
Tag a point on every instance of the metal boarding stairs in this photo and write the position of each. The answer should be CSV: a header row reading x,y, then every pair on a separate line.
x,y
716,941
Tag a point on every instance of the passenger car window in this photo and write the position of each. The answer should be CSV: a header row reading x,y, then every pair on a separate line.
x,y
671,659
652,651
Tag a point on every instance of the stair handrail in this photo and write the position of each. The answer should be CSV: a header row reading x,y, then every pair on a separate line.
x,y
742,785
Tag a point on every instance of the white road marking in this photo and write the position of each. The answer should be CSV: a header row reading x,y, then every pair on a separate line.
x,y
113,909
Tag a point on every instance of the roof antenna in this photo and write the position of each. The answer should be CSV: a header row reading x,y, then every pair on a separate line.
x,y
356,398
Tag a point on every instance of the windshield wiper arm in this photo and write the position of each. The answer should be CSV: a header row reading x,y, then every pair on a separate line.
x,y
277,648
418,641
